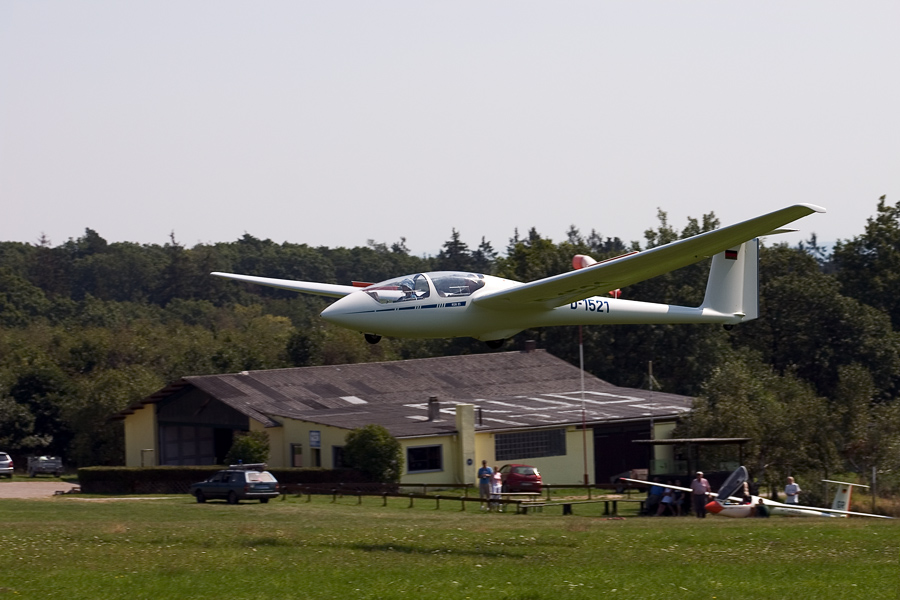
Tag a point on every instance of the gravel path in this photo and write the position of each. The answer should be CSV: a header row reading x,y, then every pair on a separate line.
x,y
33,489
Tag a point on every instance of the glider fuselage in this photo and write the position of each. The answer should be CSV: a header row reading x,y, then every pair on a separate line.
x,y
432,307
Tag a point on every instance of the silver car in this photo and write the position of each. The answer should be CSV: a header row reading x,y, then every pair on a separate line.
x,y
6,465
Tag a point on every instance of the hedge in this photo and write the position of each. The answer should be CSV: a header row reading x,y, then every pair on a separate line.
x,y
177,480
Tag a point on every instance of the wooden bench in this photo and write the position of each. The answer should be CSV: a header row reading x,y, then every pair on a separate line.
x,y
567,505
615,507
520,499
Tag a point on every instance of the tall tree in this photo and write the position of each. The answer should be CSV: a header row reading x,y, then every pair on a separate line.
x,y
454,255
868,266
484,258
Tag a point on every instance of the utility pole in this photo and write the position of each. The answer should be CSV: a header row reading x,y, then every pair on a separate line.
x,y
587,480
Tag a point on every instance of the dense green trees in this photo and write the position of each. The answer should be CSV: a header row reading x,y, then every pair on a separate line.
x,y
86,327
793,430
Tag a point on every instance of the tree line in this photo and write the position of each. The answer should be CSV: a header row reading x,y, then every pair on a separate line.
x,y
87,327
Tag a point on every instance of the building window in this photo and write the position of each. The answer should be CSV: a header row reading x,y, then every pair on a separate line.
x,y
296,455
424,458
530,444
337,457
317,457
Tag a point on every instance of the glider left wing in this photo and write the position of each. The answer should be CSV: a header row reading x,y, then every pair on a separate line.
x,y
663,485
630,269
331,290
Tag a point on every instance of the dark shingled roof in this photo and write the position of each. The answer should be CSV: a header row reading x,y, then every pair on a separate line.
x,y
513,390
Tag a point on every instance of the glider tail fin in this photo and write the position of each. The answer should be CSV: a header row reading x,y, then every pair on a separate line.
x,y
733,285
842,498
843,493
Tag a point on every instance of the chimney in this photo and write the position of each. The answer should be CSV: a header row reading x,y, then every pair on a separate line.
x,y
434,409
530,346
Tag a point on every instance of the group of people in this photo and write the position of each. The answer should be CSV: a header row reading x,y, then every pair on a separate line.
x,y
663,500
490,485
669,501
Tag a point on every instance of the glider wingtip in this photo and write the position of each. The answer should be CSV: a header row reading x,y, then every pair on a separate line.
x,y
814,208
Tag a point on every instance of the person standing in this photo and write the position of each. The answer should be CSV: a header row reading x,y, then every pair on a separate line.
x,y
497,488
746,497
485,474
791,490
699,491
654,495
666,503
679,499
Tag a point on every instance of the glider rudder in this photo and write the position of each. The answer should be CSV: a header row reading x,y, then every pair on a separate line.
x,y
733,285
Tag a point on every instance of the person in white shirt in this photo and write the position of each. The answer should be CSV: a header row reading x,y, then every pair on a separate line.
x,y
496,488
791,490
699,491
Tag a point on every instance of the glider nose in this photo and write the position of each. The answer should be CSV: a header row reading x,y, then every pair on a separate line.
x,y
714,507
346,311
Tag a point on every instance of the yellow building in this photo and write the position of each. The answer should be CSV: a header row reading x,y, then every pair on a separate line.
x,y
448,413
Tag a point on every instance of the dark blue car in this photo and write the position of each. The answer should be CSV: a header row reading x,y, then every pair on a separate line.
x,y
236,483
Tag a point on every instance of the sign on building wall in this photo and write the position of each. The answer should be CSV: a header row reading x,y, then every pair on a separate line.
x,y
315,439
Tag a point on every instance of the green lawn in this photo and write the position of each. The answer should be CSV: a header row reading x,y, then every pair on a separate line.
x,y
172,548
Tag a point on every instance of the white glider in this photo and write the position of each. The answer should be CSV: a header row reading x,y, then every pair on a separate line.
x,y
447,304
726,504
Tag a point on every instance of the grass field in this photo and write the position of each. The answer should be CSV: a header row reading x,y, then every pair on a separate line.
x,y
74,548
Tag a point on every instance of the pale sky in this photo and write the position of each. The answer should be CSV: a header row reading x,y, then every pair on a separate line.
x,y
331,123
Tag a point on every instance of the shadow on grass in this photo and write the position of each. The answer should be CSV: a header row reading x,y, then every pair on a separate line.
x,y
404,549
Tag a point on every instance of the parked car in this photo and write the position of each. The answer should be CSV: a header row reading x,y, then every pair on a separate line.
x,y
236,483
6,465
520,478
44,464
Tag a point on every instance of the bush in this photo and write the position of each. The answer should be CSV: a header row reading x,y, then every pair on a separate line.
x,y
375,453
249,448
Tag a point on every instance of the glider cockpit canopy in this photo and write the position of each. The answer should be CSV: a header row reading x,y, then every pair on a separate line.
x,y
734,482
446,284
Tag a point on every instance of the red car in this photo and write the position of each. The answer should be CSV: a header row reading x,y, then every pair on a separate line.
x,y
520,478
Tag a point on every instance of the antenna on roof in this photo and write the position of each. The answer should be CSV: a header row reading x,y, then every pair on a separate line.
x,y
651,380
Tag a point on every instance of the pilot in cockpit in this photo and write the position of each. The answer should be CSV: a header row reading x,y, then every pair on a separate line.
x,y
407,287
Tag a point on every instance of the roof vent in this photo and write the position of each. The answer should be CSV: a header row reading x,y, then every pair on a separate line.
x,y
530,346
434,409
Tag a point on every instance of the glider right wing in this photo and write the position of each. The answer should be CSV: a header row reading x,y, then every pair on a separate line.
x,y
626,270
